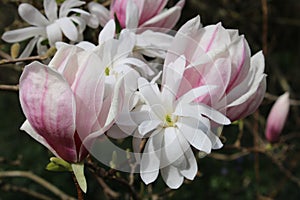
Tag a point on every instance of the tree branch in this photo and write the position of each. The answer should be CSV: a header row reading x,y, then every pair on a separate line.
x,y
39,180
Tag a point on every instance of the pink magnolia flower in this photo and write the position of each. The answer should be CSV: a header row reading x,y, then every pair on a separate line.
x,y
64,102
137,13
277,118
220,57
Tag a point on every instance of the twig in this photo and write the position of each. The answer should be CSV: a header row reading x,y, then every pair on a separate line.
x,y
106,189
98,171
32,58
287,173
9,87
38,180
264,4
8,187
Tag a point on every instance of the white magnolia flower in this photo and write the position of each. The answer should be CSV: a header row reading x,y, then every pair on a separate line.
x,y
52,26
172,125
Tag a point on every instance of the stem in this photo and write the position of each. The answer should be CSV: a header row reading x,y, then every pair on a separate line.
x,y
38,180
79,191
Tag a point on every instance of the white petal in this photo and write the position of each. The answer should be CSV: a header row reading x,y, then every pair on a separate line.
x,y
172,177
50,7
31,15
108,32
150,162
196,137
132,15
191,170
147,126
68,28
173,149
201,109
22,34
148,92
67,5
54,33
29,48
102,14
195,93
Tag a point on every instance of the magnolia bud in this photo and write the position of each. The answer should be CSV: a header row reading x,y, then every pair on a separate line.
x,y
277,118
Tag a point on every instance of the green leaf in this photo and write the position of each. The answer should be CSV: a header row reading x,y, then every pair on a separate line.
x,y
58,165
78,170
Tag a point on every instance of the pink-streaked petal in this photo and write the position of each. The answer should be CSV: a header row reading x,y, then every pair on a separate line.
x,y
49,106
68,28
30,130
277,118
88,88
156,8
185,41
22,34
50,7
32,15
166,20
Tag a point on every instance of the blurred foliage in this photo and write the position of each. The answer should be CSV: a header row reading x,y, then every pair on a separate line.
x,y
251,176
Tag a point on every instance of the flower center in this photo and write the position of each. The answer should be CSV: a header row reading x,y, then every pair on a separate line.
x,y
170,121
107,71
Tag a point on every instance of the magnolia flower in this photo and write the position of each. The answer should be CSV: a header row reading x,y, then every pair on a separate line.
x,y
134,14
277,118
172,125
220,57
51,27
64,103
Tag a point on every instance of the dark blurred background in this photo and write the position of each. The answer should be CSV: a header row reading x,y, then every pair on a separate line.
x,y
271,25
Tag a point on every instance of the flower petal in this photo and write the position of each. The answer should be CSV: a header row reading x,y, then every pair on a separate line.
x,y
196,137
54,33
68,28
166,20
132,15
172,177
50,7
101,13
49,106
150,162
22,34
32,15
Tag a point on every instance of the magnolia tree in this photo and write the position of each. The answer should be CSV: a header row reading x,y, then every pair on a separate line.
x,y
167,92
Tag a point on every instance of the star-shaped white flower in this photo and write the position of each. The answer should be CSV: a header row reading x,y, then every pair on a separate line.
x,y
51,26
172,125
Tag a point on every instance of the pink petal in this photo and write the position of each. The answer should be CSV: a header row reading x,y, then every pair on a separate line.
x,y
277,118
166,20
88,88
49,106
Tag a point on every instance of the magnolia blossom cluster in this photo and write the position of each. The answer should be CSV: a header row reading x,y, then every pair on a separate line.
x,y
170,93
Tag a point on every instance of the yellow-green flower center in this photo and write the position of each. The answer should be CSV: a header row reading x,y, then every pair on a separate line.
x,y
107,71
169,121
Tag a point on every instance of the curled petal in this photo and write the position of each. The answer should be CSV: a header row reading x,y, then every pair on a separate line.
x,y
49,106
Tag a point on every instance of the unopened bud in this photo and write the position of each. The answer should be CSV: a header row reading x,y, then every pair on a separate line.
x,y
277,118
